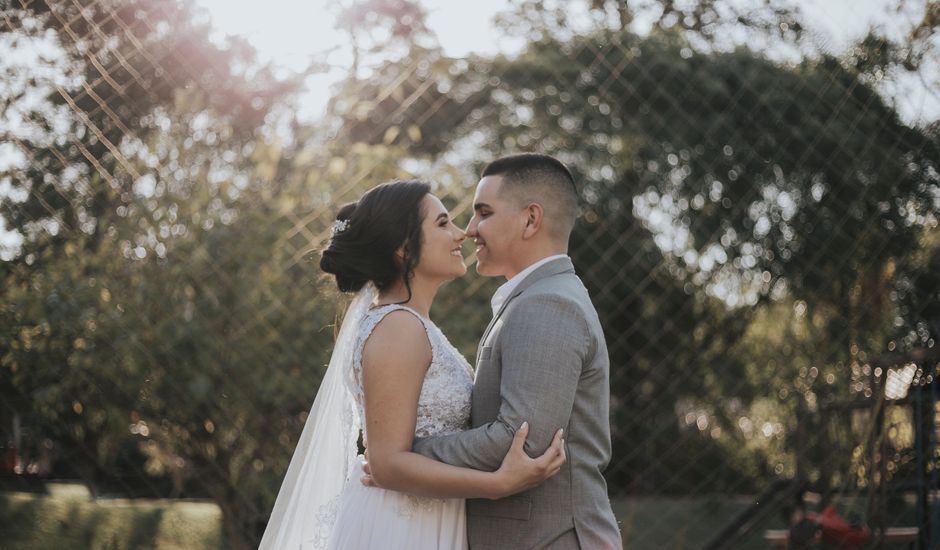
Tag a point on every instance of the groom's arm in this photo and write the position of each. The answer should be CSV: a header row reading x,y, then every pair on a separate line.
x,y
544,344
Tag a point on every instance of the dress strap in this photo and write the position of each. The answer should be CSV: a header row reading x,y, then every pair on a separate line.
x,y
375,315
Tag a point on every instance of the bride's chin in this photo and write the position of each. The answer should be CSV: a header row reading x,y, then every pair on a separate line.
x,y
455,274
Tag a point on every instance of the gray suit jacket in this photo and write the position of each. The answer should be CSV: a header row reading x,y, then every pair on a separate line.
x,y
543,359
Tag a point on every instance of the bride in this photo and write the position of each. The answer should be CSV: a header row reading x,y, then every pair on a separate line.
x,y
395,376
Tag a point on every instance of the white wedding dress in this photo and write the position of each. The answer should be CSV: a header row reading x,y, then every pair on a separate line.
x,y
369,518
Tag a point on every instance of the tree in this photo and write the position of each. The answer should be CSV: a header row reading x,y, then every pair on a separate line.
x,y
136,170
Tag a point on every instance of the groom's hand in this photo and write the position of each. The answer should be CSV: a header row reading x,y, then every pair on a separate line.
x,y
367,479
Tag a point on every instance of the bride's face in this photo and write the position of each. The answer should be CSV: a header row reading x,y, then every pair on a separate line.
x,y
441,257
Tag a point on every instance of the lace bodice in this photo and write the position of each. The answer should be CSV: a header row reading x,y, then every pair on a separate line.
x,y
444,403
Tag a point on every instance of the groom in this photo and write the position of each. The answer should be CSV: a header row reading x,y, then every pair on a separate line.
x,y
543,359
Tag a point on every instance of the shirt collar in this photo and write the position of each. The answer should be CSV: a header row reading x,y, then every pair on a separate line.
x,y
505,290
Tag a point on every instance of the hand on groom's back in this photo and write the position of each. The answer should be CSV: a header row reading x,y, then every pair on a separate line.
x,y
367,478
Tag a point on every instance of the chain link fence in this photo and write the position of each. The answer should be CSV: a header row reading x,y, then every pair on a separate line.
x,y
758,233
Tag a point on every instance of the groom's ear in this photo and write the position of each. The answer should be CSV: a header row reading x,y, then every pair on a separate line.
x,y
534,216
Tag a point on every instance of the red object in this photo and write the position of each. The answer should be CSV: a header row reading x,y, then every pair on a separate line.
x,y
8,462
836,530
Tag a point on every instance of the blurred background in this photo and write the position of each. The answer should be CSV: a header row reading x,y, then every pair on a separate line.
x,y
760,185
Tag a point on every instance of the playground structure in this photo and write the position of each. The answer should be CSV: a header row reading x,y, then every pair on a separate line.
x,y
894,434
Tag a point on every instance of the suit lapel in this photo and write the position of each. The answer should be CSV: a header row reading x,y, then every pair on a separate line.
x,y
554,267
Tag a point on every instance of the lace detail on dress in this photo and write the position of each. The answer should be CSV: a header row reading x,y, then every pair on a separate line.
x,y
413,504
325,520
444,403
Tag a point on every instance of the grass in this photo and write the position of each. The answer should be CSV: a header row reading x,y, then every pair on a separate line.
x,y
67,518
688,523
680,523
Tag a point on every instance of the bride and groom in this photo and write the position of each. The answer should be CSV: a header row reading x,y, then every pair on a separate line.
x,y
505,456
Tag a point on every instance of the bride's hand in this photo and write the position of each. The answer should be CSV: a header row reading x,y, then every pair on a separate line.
x,y
518,472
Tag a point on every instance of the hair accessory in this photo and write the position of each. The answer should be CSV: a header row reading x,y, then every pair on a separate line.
x,y
338,227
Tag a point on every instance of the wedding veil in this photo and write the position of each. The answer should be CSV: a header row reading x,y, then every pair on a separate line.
x,y
305,509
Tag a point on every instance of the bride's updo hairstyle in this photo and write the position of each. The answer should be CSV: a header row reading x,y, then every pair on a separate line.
x,y
367,233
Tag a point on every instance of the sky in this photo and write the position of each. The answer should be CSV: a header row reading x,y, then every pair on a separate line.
x,y
467,27
461,28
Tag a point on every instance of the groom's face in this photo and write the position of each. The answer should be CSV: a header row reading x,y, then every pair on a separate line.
x,y
496,226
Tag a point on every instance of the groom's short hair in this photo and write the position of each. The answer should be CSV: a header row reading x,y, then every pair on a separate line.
x,y
533,177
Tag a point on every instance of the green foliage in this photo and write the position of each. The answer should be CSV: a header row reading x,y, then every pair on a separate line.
x,y
752,234
149,257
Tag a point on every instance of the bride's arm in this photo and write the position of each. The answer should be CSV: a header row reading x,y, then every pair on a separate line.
x,y
395,359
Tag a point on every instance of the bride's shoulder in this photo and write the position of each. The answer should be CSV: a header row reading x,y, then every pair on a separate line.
x,y
392,317
399,333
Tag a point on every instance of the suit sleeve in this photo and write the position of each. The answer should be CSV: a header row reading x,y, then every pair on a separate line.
x,y
543,346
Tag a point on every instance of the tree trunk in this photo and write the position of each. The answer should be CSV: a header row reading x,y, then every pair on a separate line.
x,y
238,529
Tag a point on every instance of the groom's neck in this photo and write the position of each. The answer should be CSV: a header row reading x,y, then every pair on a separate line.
x,y
534,257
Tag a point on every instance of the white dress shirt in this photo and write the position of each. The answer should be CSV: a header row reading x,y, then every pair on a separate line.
x,y
505,290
